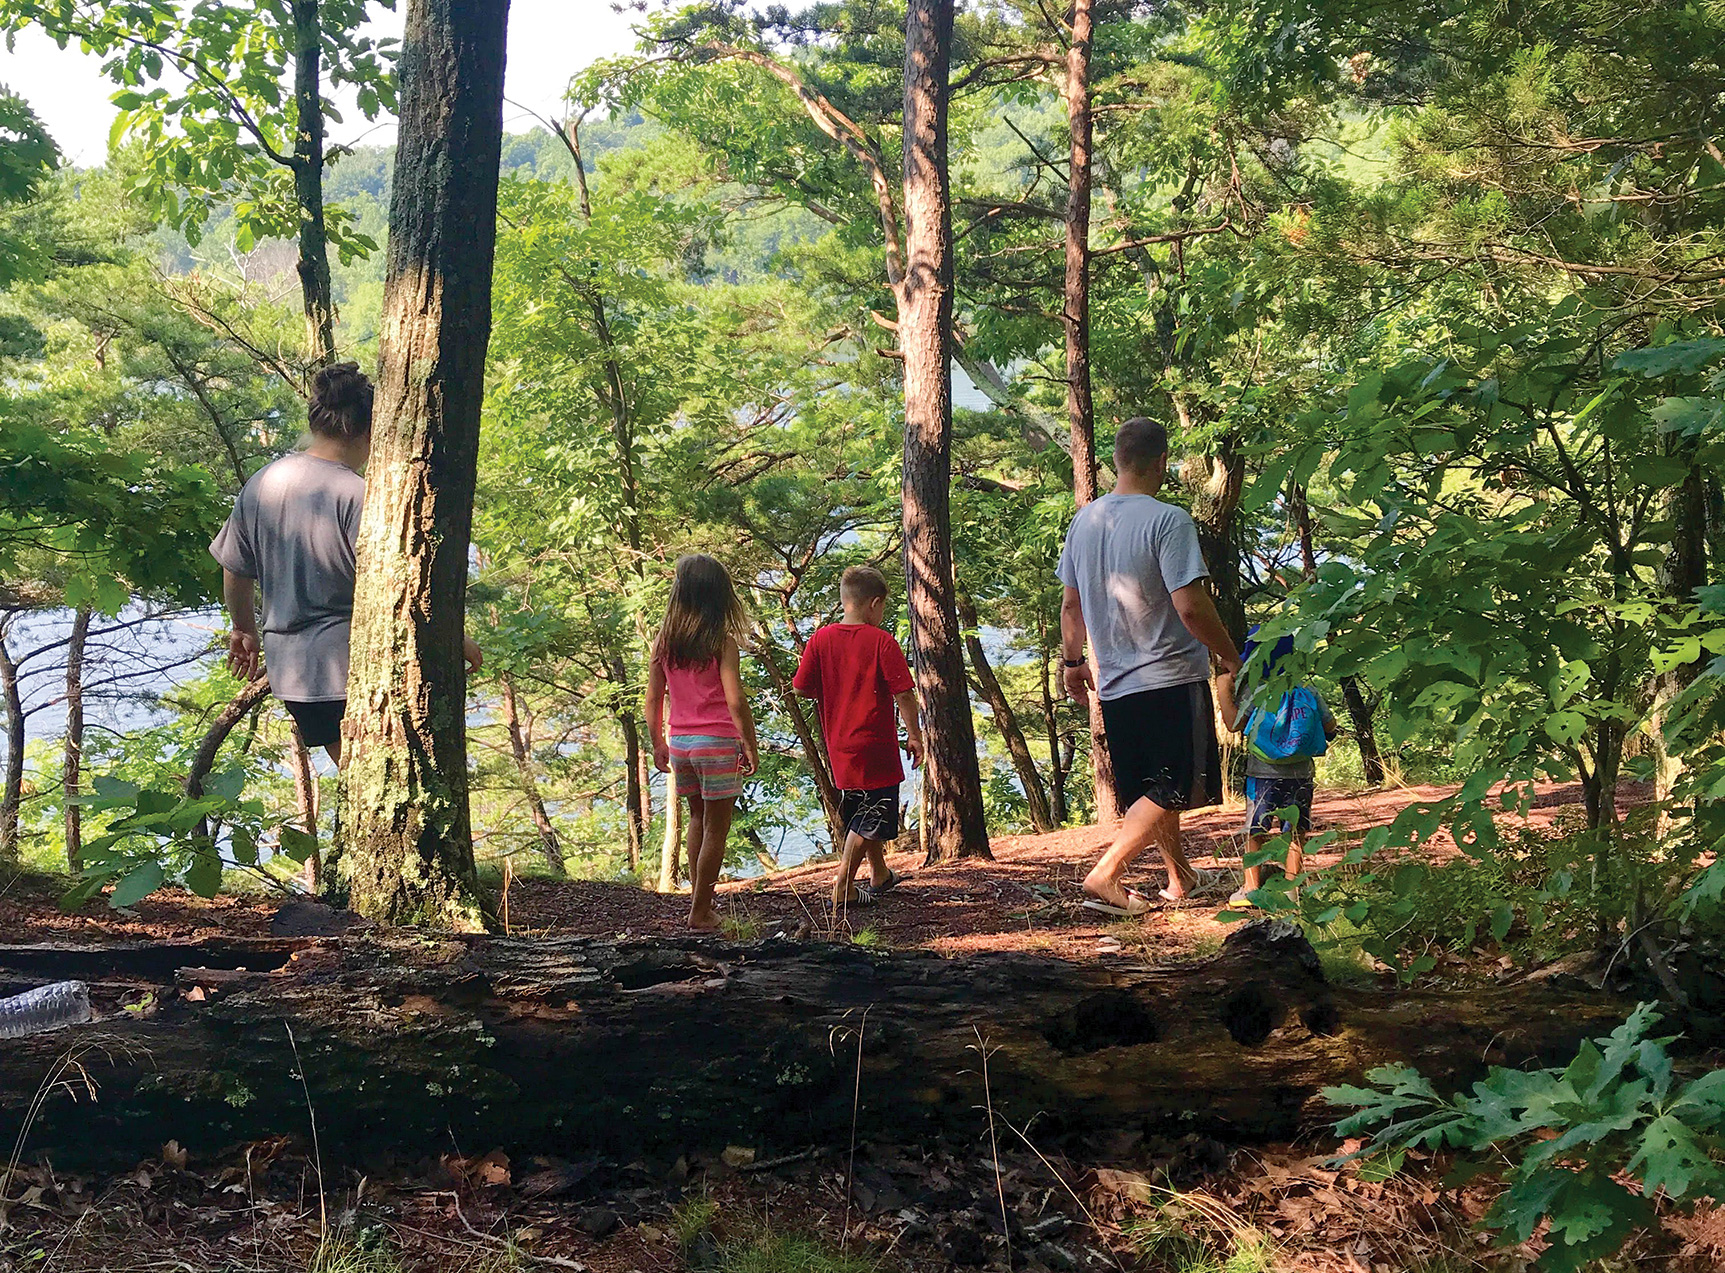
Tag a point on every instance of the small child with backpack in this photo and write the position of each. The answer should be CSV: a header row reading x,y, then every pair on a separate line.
x,y
1281,748
707,738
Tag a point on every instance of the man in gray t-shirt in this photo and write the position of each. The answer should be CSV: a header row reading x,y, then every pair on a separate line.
x,y
1134,589
293,530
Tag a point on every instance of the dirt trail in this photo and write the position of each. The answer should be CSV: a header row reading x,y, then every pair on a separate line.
x,y
1027,898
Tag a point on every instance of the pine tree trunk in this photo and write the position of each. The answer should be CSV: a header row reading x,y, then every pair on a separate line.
x,y
1080,407
956,828
635,828
1005,719
407,846
12,798
1051,722
315,289
518,747
72,768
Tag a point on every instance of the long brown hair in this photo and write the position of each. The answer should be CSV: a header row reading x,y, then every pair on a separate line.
x,y
702,612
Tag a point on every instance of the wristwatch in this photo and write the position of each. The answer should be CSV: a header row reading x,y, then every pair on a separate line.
x,y
1073,662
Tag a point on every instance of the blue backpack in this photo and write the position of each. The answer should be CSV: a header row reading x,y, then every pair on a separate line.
x,y
1294,731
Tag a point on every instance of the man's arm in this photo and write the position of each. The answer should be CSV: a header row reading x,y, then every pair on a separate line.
x,y
1198,612
911,714
239,594
1073,634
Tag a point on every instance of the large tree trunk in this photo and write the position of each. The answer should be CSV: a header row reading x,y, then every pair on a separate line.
x,y
12,798
955,828
1080,407
691,1043
406,842
1005,719
1215,503
314,278
520,750
72,765
1359,708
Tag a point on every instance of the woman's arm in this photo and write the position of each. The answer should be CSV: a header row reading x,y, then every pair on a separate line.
x,y
656,716
737,699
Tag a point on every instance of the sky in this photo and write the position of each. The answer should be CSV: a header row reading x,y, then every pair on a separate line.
x,y
549,40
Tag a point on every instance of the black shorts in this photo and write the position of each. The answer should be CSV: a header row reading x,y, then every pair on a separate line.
x,y
871,814
319,723
1163,745
1267,797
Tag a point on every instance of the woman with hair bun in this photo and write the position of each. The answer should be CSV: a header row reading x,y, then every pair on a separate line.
x,y
293,531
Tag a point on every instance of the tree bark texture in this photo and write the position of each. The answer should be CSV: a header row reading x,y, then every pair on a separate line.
x,y
570,1045
1215,505
1005,719
72,746
407,848
315,290
520,749
955,828
12,797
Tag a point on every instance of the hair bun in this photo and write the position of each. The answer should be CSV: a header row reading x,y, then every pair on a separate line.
x,y
341,398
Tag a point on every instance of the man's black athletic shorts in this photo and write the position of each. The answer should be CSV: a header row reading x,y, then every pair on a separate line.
x,y
1163,745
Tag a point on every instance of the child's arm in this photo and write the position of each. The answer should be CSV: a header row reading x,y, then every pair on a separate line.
x,y
911,714
1227,701
737,699
238,592
1331,729
656,716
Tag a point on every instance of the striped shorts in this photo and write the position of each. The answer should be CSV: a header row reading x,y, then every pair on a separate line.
x,y
707,765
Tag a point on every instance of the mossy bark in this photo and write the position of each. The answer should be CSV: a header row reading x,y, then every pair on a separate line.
x,y
406,850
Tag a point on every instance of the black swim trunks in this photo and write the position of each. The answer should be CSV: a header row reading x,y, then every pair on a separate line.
x,y
1163,745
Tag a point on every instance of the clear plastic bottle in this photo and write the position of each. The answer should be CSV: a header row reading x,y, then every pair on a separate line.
x,y
45,1008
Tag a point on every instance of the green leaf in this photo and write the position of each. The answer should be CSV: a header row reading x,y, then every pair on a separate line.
x,y
296,844
226,785
204,875
137,884
1671,1158
243,845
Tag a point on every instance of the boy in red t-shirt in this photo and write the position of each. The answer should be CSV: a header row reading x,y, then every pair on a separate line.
x,y
857,673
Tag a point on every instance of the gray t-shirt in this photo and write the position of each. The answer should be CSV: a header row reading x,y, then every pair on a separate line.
x,y
1125,554
293,529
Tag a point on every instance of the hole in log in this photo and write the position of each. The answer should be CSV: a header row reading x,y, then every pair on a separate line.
x,y
1322,1019
1249,1014
646,974
154,963
1109,1019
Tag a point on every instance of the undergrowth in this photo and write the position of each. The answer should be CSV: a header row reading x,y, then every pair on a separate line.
x,y
747,1244
1180,1237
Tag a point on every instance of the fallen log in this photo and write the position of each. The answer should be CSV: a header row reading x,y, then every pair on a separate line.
x,y
406,1040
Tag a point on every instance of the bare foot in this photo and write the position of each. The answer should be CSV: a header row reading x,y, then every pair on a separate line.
x,y
1179,884
704,921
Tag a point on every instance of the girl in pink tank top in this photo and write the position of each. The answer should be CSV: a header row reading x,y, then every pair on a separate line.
x,y
707,739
